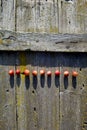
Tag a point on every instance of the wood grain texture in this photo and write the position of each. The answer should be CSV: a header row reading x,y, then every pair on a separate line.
x,y
43,103
7,93
71,93
51,103
7,14
52,16
37,16
47,16
37,97
83,87
43,42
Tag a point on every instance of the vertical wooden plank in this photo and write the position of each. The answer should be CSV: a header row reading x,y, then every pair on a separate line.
x,y
38,97
70,94
72,16
67,17
0,14
81,15
20,93
37,16
7,93
83,89
27,103
52,96
49,95
7,15
59,15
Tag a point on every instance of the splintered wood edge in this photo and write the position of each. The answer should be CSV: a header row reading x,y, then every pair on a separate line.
x,y
13,41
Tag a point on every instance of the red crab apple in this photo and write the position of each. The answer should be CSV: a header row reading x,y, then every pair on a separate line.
x,y
57,72
42,72
66,73
17,71
34,73
26,72
49,73
74,73
11,72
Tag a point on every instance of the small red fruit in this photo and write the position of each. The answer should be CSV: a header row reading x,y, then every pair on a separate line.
x,y
49,73
17,71
11,72
34,73
74,73
57,72
42,72
26,72
66,73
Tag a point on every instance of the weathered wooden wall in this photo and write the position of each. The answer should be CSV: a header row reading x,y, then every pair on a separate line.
x,y
43,103
49,16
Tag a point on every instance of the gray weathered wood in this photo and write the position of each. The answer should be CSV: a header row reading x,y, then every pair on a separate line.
x,y
7,14
43,42
37,97
73,93
37,16
28,103
48,103
73,16
57,104
7,93
83,87
51,16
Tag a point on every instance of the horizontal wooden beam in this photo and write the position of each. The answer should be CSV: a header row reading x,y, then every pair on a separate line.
x,y
12,41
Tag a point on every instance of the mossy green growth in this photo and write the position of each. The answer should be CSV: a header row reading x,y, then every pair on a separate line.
x,y
22,58
1,41
53,29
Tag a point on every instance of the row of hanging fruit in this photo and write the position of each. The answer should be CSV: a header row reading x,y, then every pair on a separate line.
x,y
42,72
